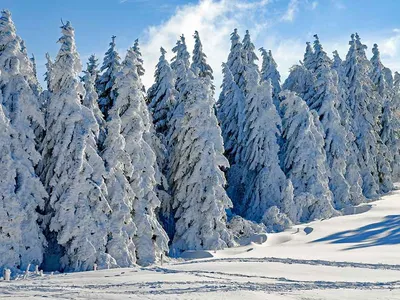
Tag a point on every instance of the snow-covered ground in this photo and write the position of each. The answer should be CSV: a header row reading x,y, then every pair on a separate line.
x,y
350,257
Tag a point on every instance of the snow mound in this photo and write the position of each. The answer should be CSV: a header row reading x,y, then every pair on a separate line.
x,y
355,210
196,254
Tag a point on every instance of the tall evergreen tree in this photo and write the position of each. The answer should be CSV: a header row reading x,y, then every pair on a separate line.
x,y
21,192
72,171
269,70
308,57
197,180
163,96
180,62
303,139
326,101
91,101
199,59
265,184
384,123
105,82
130,105
361,99
92,66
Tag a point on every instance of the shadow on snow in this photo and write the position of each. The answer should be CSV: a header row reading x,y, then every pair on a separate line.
x,y
385,232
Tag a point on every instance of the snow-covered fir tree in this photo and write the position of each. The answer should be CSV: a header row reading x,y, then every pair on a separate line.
x,y
308,57
231,101
199,59
197,180
383,99
303,140
230,111
180,62
150,239
105,82
360,99
325,101
352,175
72,171
91,101
269,70
250,56
140,62
92,66
265,184
163,96
21,192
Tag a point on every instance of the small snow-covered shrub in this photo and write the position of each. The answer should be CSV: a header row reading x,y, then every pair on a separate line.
x,y
275,221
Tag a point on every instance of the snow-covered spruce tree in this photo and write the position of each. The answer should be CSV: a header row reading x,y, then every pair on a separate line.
x,y
230,104
383,99
72,171
360,99
105,82
21,117
136,49
352,175
91,101
325,101
395,109
309,57
197,180
265,183
163,96
250,56
230,110
21,239
150,239
92,66
199,59
48,74
180,63
269,70
121,197
304,159
300,81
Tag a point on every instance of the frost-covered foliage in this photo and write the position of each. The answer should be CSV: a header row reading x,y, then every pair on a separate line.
x,y
21,239
91,101
269,70
163,96
360,99
300,81
72,171
21,191
135,126
250,56
139,66
244,229
265,184
237,60
230,114
197,180
105,82
180,63
383,99
199,59
326,101
308,59
92,66
304,159
231,100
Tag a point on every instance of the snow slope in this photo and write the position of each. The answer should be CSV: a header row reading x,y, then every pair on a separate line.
x,y
349,257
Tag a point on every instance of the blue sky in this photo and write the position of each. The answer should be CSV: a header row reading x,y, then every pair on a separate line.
x,y
281,25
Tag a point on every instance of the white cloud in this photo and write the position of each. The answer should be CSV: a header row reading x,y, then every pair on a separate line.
x,y
314,5
215,20
291,11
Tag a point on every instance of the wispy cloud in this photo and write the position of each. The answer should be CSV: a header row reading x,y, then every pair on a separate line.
x,y
292,9
314,5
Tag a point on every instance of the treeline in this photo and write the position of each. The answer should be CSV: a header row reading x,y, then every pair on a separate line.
x,y
97,170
